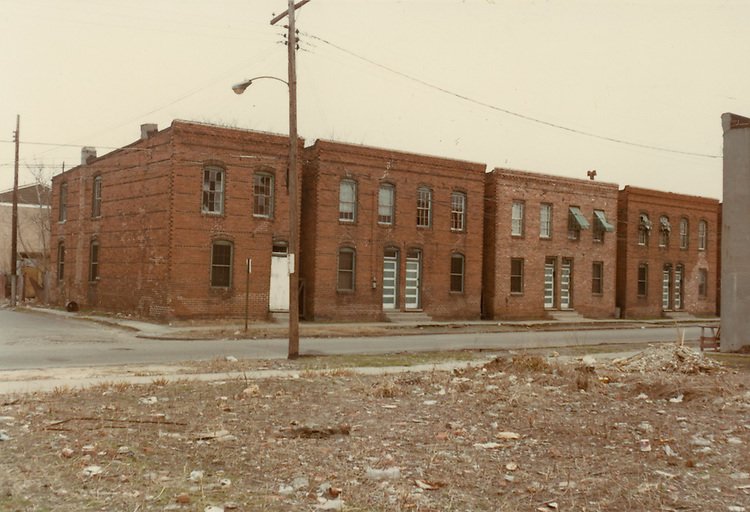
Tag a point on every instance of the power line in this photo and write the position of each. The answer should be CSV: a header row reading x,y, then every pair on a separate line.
x,y
510,112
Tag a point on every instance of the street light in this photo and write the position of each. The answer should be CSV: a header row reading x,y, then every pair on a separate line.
x,y
293,352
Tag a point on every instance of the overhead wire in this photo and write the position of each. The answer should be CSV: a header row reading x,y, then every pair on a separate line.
x,y
519,115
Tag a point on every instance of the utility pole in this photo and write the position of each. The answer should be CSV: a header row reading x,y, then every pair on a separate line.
x,y
14,228
292,180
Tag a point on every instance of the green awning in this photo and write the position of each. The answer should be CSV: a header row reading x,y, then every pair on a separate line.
x,y
579,218
603,219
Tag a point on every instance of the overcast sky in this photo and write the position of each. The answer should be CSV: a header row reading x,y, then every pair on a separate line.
x,y
632,88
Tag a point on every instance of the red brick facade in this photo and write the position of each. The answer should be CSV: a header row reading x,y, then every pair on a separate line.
x,y
673,264
156,228
393,258
164,228
538,258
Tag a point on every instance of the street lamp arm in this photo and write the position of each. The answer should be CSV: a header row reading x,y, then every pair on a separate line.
x,y
240,87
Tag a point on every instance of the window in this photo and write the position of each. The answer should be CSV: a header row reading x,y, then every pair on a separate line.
x,y
576,222
597,278
684,233
601,226
516,218
94,261
345,280
665,229
262,195
702,282
213,190
457,273
545,221
221,264
348,201
458,211
61,261
516,275
386,204
63,202
96,198
702,235
644,229
424,207
642,279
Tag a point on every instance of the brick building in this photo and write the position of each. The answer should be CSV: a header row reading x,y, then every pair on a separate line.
x,y
164,227
549,246
667,253
385,231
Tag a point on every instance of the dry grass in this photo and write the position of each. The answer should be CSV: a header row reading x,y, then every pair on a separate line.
x,y
517,434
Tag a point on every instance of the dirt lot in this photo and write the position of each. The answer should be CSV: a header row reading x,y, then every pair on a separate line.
x,y
663,430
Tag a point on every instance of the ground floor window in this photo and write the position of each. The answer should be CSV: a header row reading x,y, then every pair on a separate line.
x,y
597,277
345,280
516,275
94,261
702,282
221,264
457,273
61,261
642,279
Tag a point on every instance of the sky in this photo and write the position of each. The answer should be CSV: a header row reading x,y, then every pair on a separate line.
x,y
633,89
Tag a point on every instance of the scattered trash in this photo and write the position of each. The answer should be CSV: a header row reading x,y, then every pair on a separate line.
x,y
645,445
393,473
92,471
507,435
196,476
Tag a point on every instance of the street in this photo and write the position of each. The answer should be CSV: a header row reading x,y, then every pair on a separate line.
x,y
31,339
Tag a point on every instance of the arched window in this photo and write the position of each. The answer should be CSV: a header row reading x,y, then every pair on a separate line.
x,y
684,232
96,197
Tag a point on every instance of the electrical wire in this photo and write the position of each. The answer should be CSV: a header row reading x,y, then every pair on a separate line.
x,y
511,112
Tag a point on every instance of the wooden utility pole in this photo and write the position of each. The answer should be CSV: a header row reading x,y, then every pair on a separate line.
x,y
292,180
14,228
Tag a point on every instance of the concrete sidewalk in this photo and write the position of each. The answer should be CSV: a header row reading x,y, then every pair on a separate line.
x,y
235,329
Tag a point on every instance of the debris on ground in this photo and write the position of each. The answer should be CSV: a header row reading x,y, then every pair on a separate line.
x,y
662,430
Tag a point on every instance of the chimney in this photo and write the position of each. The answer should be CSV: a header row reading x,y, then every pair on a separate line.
x,y
148,129
87,154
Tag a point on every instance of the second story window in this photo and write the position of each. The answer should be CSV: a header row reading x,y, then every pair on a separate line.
x,y
702,235
601,226
386,204
263,195
63,202
665,229
213,190
545,221
576,222
458,211
684,233
644,229
516,218
424,207
96,198
347,201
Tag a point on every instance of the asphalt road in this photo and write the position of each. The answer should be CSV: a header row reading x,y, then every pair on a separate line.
x,y
31,340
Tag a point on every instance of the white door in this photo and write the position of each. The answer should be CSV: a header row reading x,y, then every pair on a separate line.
x,y
678,287
666,288
413,280
390,280
566,284
549,284
278,294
